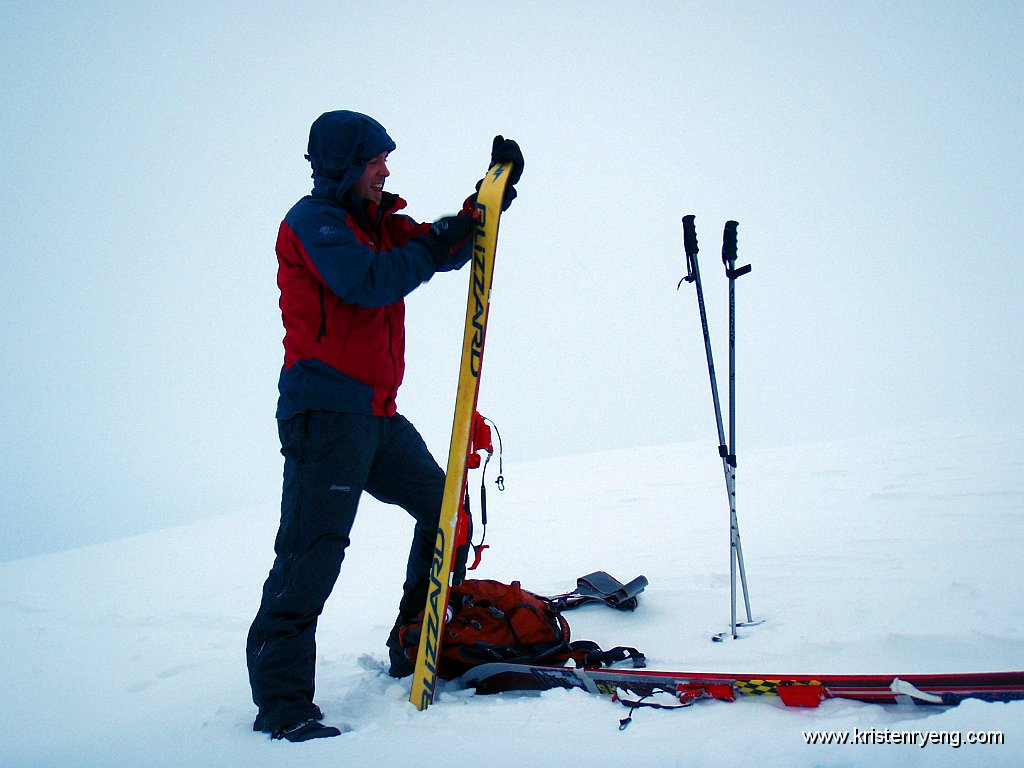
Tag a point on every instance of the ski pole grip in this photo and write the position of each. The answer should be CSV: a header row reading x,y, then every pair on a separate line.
x,y
729,243
689,235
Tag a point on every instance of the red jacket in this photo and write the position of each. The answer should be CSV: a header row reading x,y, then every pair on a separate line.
x,y
343,275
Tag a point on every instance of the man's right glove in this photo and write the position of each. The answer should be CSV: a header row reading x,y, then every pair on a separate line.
x,y
448,241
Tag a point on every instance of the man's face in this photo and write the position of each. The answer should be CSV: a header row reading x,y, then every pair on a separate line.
x,y
371,184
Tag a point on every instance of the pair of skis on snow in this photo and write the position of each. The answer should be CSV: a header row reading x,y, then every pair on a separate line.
x,y
636,685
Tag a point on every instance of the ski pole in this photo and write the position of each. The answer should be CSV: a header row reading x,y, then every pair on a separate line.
x,y
731,272
728,457
693,276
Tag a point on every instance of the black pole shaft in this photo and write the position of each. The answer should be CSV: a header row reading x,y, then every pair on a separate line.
x,y
693,276
729,259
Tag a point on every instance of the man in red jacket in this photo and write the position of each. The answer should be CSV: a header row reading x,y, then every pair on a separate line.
x,y
347,257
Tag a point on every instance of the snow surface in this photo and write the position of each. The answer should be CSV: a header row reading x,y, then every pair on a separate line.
x,y
895,553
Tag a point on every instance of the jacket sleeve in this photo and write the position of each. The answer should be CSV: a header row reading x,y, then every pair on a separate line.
x,y
356,272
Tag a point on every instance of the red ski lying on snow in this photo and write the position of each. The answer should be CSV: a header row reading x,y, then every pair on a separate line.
x,y
793,690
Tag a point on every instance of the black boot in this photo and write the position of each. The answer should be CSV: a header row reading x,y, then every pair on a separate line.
x,y
401,665
260,725
305,731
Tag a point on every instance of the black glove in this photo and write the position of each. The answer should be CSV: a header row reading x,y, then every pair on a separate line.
x,y
507,151
451,231
446,239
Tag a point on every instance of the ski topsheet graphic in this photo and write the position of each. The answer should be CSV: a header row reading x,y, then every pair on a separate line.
x,y
488,204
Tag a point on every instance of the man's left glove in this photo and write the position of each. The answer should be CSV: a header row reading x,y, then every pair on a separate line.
x,y
446,240
507,151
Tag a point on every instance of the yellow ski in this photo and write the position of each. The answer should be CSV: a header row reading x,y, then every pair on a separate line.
x,y
485,240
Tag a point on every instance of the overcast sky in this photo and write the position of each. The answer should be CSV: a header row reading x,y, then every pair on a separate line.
x,y
870,151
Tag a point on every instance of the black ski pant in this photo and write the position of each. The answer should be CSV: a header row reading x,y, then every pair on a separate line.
x,y
330,459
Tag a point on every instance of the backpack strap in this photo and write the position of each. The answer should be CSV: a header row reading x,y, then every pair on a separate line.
x,y
600,586
589,654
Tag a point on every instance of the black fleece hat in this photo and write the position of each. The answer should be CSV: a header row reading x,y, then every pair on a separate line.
x,y
341,143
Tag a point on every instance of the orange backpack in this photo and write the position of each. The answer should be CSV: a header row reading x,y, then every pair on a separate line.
x,y
492,621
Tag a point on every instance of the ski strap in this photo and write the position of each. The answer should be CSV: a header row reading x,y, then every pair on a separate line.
x,y
480,442
683,696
